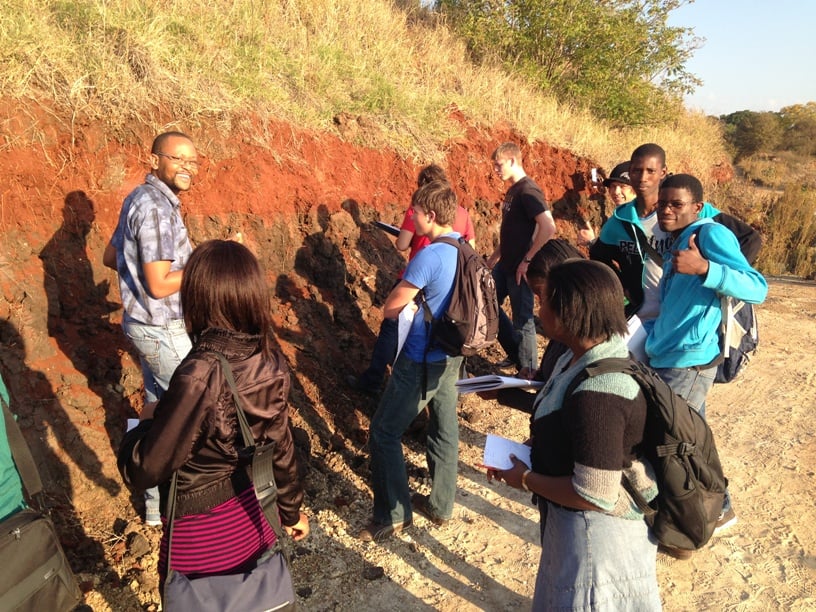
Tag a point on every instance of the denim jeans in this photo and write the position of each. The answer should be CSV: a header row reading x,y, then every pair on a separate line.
x,y
689,383
591,560
401,402
161,349
517,337
385,349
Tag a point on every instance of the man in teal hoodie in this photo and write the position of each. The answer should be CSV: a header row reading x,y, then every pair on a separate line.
x,y
705,262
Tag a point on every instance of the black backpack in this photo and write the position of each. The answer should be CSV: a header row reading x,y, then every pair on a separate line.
x,y
471,321
679,444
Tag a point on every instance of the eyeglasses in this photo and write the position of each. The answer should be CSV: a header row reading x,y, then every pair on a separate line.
x,y
192,163
675,205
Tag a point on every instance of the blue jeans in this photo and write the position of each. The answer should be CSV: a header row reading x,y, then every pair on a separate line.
x,y
401,402
517,338
591,560
689,383
385,349
161,349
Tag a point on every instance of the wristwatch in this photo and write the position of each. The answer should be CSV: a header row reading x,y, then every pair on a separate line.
x,y
525,260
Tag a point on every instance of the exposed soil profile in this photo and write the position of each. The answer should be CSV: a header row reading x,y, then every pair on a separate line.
x,y
303,202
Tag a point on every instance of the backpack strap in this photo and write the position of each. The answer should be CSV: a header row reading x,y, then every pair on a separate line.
x,y
23,459
427,315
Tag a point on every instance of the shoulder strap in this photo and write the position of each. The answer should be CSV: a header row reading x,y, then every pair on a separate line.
x,y
23,459
261,459
602,366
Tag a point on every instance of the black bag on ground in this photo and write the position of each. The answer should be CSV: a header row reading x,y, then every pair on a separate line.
x,y
36,575
679,444
471,322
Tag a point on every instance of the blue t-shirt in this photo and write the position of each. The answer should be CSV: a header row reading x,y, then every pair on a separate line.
x,y
11,487
433,270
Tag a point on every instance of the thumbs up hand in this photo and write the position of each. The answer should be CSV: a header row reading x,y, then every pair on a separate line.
x,y
690,261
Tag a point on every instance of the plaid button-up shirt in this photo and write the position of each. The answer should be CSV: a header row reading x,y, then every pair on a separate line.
x,y
150,229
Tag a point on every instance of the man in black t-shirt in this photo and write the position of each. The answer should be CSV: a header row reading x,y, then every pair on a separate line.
x,y
527,225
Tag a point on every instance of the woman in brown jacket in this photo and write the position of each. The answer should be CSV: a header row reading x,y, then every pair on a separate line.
x,y
219,527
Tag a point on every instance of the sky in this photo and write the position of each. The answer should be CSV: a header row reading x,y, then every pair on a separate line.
x,y
759,55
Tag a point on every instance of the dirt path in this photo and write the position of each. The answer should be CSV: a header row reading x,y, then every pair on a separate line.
x,y
487,558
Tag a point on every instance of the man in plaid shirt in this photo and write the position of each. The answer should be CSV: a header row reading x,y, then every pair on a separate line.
x,y
149,249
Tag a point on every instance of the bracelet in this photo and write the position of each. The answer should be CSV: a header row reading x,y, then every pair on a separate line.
x,y
524,480
525,260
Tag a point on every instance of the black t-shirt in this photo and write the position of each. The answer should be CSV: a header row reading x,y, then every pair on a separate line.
x,y
523,202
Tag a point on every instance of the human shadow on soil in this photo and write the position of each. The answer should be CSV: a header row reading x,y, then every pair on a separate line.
x,y
40,413
78,315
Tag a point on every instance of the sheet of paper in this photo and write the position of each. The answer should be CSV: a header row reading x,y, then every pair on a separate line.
x,y
490,382
636,339
404,321
497,452
131,423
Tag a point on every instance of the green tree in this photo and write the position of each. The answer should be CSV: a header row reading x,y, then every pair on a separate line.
x,y
750,132
617,57
799,123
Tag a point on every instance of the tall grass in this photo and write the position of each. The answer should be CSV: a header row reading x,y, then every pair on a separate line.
x,y
790,234
227,63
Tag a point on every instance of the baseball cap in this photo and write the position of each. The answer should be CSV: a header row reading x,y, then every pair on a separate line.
x,y
620,174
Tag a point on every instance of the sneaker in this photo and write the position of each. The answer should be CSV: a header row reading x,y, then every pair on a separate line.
x,y
375,532
676,553
420,505
728,518
506,363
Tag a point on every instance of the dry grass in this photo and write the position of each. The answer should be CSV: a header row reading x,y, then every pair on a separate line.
x,y
216,62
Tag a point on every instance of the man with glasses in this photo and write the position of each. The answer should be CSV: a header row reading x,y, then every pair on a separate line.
x,y
149,249
527,224
703,263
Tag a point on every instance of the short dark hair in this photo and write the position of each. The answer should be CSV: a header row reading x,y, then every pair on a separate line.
x,y
431,173
685,181
158,141
223,286
439,197
587,298
650,149
554,252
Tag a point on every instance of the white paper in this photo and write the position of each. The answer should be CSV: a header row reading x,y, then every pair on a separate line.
x,y
131,423
404,322
490,382
497,452
636,339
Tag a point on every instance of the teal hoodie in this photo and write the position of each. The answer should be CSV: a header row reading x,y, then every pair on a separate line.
x,y
686,333
11,488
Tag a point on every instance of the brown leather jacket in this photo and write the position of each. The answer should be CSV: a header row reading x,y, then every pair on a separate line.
x,y
195,429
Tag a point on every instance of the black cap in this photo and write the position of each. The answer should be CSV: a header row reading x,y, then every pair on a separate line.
x,y
620,174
